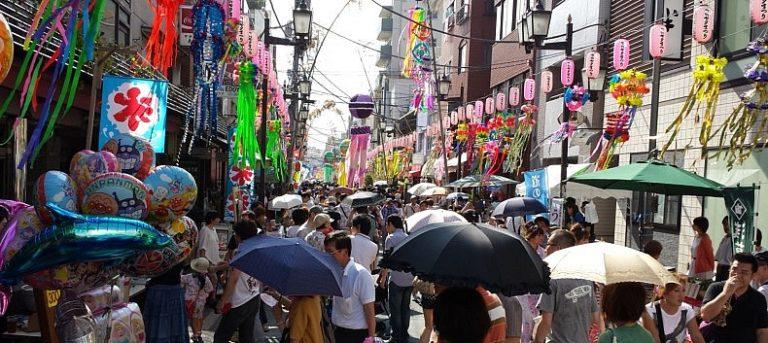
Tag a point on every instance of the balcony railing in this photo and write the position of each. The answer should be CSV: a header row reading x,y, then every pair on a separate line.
x,y
462,14
450,21
385,33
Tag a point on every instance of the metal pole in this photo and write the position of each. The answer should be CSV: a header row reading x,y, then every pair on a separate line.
x,y
566,113
294,112
439,108
263,125
655,83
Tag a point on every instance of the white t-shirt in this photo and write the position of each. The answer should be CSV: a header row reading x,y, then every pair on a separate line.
x,y
209,241
358,287
246,289
671,321
364,250
763,289
292,231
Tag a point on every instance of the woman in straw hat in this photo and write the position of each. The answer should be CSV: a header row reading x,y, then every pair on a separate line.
x,y
197,288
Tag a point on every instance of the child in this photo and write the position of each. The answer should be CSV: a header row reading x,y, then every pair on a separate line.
x,y
197,288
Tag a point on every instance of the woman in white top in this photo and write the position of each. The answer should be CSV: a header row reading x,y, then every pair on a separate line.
x,y
678,319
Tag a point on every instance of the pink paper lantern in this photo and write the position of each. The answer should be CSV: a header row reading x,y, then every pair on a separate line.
x,y
703,24
242,33
592,66
267,60
256,48
514,96
529,89
446,121
567,69
657,40
546,81
621,54
234,9
236,74
454,118
479,108
462,115
759,10
501,101
490,105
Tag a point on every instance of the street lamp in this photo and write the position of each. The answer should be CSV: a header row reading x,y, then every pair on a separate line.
x,y
444,85
305,86
304,112
594,86
538,23
302,20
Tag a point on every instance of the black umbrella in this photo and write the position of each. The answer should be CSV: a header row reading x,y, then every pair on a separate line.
x,y
519,206
364,199
468,255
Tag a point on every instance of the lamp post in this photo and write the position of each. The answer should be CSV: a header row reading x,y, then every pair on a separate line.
x,y
596,85
302,28
443,86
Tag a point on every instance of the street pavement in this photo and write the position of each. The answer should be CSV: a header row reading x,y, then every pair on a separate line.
x,y
273,335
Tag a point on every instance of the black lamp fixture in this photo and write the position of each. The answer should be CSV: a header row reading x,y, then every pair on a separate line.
x,y
303,112
594,86
302,20
443,86
305,86
537,23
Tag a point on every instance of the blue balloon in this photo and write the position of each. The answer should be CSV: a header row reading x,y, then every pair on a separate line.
x,y
82,238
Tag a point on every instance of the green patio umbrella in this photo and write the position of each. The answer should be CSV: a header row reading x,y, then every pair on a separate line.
x,y
652,176
477,181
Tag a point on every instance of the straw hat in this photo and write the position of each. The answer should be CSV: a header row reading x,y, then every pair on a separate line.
x,y
200,265
322,219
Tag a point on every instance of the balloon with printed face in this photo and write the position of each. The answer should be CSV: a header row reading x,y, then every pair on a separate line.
x,y
134,154
86,165
20,228
58,188
173,192
116,194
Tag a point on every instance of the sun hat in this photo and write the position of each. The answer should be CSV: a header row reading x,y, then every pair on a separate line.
x,y
200,265
322,219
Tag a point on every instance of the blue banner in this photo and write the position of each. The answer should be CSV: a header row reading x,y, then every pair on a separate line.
x,y
133,106
536,185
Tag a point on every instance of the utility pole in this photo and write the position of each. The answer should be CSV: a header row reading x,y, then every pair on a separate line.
x,y
566,112
263,124
440,98
293,110
655,83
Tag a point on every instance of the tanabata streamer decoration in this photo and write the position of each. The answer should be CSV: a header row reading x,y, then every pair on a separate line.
x,y
356,156
520,138
744,118
6,48
628,88
207,50
161,44
274,150
247,150
418,48
76,23
705,89
575,97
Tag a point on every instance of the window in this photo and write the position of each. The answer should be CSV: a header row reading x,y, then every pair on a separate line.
x,y
462,57
505,18
735,26
122,25
660,211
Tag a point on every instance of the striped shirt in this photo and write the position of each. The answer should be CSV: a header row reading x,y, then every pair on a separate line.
x,y
498,331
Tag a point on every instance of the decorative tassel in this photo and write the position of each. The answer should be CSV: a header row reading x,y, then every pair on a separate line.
x,y
247,150
162,54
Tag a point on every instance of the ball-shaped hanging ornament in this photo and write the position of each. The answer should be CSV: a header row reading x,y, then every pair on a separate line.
x,y
621,54
703,24
361,106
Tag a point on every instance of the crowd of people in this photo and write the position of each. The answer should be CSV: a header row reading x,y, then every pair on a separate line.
x,y
378,301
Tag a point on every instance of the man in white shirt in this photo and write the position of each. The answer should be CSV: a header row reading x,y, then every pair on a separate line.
x,y
353,316
364,250
309,225
299,217
208,245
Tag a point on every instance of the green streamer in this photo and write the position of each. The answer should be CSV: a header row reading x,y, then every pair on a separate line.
x,y
246,144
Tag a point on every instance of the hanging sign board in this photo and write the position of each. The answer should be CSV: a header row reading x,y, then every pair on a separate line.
x,y
672,16
185,32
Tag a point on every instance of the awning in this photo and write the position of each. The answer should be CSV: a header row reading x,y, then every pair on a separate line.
x,y
733,177
572,189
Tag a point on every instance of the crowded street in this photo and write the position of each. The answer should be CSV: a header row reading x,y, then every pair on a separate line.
x,y
383,171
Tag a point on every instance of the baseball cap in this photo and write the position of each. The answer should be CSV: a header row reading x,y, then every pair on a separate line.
x,y
322,219
316,209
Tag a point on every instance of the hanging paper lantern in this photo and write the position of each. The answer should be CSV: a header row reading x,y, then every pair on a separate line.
x,y
703,24
501,101
361,106
454,118
657,41
462,115
479,109
546,81
759,10
529,89
567,68
621,54
234,9
490,105
242,33
470,108
514,96
446,121
592,66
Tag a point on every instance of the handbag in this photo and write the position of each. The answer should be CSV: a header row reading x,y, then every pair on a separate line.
x,y
712,330
423,287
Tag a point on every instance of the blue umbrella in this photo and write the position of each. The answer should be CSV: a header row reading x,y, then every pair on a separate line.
x,y
289,265
519,206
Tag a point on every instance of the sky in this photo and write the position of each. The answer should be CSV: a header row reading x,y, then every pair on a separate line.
x,y
343,62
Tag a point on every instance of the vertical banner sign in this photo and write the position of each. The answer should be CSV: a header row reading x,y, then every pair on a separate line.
x,y
556,212
740,203
185,32
135,107
536,185
672,17
239,184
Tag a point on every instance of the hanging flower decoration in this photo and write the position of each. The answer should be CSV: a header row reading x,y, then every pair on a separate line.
x,y
628,88
754,103
705,89
520,138
575,97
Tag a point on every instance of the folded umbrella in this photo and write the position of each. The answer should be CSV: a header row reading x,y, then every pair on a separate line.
x,y
607,263
364,199
519,206
468,255
289,265
423,218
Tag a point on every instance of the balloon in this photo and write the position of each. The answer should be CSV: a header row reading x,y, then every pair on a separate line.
x,y
759,10
153,262
19,230
6,48
703,24
657,40
567,68
134,154
546,81
82,238
76,276
74,322
621,54
58,188
87,165
173,192
116,194
592,64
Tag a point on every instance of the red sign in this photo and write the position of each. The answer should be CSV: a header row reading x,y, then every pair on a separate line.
x,y
185,31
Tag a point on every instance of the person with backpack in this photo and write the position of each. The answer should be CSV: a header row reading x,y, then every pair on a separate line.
x,y
673,319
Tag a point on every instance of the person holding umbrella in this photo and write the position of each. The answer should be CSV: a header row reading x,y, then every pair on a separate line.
x,y
353,315
400,284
